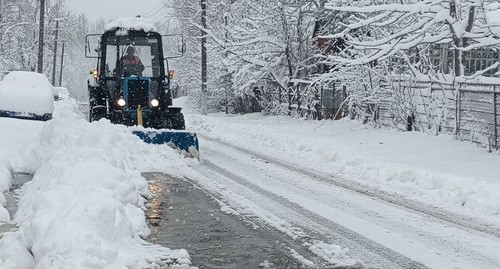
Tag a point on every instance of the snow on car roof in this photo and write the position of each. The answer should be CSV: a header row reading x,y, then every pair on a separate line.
x,y
139,24
23,91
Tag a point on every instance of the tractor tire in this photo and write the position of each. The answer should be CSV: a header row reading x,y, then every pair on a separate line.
x,y
97,113
117,117
177,121
97,104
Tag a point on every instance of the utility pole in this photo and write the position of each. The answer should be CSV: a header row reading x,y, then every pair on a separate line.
x,y
203,57
225,44
41,29
62,64
1,26
55,53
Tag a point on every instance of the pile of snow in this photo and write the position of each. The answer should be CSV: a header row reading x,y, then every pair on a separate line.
x,y
30,92
5,183
435,170
17,139
85,206
138,24
333,254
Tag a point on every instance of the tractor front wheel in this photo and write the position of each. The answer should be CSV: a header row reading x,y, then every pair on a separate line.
x,y
177,121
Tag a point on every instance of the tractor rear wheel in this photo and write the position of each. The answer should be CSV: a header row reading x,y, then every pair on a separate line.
x,y
97,104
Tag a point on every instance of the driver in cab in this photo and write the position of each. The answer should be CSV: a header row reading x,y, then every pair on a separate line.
x,y
130,64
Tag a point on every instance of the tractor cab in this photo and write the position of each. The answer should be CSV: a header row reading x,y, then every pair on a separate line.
x,y
134,73
131,85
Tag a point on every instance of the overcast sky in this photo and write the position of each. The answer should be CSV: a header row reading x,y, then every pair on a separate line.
x,y
111,9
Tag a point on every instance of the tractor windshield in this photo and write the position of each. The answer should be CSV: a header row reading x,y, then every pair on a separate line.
x,y
127,55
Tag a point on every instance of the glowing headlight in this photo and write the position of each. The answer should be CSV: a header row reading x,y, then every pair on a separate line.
x,y
121,102
154,103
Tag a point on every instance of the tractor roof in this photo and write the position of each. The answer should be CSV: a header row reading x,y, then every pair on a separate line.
x,y
134,24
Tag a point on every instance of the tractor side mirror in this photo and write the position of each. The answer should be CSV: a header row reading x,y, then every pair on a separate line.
x,y
92,42
175,44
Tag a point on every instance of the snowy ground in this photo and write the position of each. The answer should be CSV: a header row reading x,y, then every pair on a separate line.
x,y
438,170
84,206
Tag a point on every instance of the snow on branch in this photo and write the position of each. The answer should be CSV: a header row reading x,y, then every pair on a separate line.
x,y
375,32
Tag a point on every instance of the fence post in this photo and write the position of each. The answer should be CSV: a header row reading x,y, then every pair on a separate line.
x,y
495,116
298,99
458,107
279,97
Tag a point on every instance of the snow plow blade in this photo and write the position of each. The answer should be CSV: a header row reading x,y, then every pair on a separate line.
x,y
185,141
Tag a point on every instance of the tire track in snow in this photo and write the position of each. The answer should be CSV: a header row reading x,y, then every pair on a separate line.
x,y
440,215
349,238
315,225
460,245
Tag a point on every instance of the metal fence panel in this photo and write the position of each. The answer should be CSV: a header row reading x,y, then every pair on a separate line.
x,y
469,110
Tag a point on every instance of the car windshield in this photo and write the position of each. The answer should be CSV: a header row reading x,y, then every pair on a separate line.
x,y
145,48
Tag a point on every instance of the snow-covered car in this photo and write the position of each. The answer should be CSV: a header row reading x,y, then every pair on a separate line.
x,y
26,95
61,93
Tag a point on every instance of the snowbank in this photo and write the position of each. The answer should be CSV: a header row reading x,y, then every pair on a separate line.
x,y
17,139
5,183
85,206
29,92
138,24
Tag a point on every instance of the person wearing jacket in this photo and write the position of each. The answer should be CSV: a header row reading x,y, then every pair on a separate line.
x,y
130,64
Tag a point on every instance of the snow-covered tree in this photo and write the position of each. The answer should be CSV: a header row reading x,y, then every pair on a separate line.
x,y
18,35
250,41
381,31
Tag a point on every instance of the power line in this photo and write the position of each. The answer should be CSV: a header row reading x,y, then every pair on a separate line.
x,y
157,6
157,12
167,20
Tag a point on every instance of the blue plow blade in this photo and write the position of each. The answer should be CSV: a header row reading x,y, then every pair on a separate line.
x,y
182,140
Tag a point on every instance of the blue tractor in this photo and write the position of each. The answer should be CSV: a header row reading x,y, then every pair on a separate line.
x,y
131,85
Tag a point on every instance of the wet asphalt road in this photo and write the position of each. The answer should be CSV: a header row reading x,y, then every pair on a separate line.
x,y
183,216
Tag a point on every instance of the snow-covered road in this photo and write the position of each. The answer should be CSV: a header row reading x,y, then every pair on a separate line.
x,y
347,193
341,226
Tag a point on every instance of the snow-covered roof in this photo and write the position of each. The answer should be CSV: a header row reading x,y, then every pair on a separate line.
x,y
139,24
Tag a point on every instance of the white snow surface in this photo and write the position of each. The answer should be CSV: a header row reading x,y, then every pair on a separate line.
x,y
436,170
147,25
5,184
84,207
23,91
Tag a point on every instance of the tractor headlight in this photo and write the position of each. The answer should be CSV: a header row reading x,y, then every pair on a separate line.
x,y
121,102
154,103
